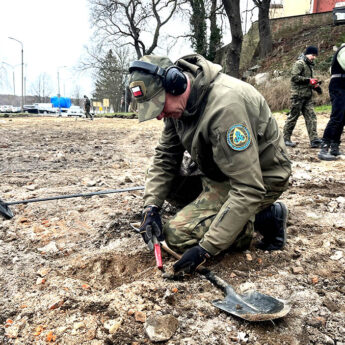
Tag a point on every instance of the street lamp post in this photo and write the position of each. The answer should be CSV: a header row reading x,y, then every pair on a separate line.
x,y
58,78
21,43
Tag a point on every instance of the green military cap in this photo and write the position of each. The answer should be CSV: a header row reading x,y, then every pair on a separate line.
x,y
147,89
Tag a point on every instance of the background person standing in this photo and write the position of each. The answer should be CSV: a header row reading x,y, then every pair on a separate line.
x,y
302,84
335,125
87,106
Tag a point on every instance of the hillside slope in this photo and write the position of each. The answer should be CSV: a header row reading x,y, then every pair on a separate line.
x,y
289,46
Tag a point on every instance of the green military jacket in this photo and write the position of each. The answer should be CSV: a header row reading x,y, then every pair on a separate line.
x,y
230,133
302,71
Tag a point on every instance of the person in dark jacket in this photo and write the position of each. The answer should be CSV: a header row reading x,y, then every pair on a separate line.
x,y
334,129
228,130
87,107
302,85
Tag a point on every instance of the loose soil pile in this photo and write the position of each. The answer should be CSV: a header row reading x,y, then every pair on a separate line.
x,y
74,272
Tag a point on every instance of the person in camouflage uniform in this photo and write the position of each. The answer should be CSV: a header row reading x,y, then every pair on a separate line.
x,y
302,85
235,151
87,107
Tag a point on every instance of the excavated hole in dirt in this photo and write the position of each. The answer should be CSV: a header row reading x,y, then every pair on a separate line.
x,y
108,271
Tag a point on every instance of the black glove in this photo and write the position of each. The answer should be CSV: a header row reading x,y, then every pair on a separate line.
x,y
151,224
191,260
318,90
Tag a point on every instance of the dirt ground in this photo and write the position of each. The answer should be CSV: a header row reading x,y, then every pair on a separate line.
x,y
74,272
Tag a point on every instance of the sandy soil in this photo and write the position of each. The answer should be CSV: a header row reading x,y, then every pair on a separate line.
x,y
74,272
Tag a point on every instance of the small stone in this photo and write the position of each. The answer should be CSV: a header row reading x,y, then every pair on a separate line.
x,y
340,200
131,312
56,304
314,280
128,178
249,257
316,321
113,325
40,281
43,271
91,183
50,248
79,325
31,187
300,175
140,316
337,255
330,305
297,270
161,327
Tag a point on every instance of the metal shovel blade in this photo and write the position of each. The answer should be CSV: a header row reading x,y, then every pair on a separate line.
x,y
252,306
5,210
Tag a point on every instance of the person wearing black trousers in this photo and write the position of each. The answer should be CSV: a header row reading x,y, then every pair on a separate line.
x,y
332,134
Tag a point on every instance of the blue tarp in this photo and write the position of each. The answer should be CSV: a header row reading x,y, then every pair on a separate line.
x,y
64,102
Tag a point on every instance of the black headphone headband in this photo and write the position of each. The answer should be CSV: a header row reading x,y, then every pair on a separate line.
x,y
147,67
173,79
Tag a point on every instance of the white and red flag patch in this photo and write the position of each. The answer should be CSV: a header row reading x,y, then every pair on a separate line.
x,y
136,91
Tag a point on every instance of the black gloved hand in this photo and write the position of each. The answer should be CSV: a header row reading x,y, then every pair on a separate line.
x,y
151,224
318,90
191,260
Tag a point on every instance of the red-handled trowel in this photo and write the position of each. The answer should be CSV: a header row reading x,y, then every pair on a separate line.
x,y
153,243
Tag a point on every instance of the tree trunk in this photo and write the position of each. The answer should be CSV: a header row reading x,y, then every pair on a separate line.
x,y
265,45
198,26
232,8
215,33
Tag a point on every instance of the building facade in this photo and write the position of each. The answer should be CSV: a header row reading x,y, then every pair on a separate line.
x,y
288,8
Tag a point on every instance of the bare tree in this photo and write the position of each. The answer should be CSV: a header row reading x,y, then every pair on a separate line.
x,y
3,76
77,95
41,88
232,9
265,45
132,22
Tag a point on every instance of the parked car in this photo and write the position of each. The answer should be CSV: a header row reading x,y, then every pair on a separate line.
x,y
16,109
339,13
75,110
6,108
40,108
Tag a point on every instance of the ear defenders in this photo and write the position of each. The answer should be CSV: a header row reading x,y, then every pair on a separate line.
x,y
173,79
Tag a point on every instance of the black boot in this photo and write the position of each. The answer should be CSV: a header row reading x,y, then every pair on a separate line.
x,y
324,155
271,224
289,143
335,149
315,143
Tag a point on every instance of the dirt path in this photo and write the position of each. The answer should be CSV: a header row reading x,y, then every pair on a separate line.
x,y
71,269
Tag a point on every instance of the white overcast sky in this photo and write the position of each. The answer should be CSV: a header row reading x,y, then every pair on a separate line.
x,y
54,34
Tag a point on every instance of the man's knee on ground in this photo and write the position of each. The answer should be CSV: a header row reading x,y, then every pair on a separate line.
x,y
180,234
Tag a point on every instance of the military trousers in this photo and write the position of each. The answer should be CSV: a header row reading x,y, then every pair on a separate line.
x,y
188,226
87,112
304,105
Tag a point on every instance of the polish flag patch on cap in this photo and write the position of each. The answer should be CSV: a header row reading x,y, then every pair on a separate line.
x,y
136,91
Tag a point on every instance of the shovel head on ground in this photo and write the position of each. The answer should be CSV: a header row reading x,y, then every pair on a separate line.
x,y
252,306
5,211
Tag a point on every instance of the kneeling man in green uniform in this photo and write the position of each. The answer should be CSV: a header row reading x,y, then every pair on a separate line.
x,y
238,164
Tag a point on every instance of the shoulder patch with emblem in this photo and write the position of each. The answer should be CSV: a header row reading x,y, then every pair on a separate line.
x,y
238,137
